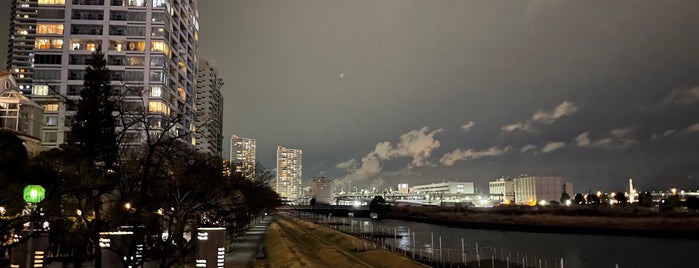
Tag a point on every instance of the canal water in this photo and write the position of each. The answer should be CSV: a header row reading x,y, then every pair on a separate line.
x,y
539,249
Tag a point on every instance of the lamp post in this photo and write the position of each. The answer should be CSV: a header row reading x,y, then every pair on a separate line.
x,y
33,194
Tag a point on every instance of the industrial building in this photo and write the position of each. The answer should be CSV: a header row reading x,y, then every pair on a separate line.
x,y
321,191
444,188
537,189
504,188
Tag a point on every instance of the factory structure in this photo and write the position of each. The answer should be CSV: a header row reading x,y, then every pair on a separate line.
x,y
530,190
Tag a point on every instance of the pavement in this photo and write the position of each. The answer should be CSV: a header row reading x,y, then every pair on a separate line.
x,y
249,247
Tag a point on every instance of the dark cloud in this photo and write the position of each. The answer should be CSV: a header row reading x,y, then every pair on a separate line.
x,y
609,87
337,78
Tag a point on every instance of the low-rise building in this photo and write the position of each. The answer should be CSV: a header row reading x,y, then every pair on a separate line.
x,y
321,191
20,115
535,189
504,188
444,188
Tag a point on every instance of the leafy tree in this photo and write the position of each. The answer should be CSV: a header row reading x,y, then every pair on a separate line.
x,y
13,162
621,198
593,199
579,199
645,199
564,197
378,205
674,201
692,203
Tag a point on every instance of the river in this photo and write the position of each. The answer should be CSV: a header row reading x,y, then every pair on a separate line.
x,y
539,249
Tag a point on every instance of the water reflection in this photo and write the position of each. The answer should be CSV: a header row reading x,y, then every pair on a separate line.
x,y
548,248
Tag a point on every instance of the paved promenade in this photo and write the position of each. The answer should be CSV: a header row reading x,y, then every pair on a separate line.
x,y
246,249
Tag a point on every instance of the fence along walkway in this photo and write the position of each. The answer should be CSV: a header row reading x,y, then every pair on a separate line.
x,y
469,255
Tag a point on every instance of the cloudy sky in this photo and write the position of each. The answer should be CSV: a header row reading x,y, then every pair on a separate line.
x,y
383,92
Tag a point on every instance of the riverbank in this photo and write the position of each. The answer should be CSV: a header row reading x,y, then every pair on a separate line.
x,y
661,226
296,243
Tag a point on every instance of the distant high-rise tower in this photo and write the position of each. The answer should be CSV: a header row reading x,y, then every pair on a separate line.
x,y
289,173
242,156
150,46
209,110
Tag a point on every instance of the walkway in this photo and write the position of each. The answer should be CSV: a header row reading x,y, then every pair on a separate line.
x,y
246,248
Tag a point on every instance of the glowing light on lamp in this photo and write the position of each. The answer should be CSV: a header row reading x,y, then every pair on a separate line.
x,y
34,193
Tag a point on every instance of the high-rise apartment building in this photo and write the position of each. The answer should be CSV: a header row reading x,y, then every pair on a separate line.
x,y
242,156
289,173
150,47
209,110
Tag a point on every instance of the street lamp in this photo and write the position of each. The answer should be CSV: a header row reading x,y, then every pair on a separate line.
x,y
34,194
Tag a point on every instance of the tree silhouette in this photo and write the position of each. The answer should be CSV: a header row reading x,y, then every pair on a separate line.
x,y
645,199
94,127
579,199
564,197
621,198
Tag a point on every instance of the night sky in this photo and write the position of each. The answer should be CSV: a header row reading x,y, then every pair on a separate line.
x,y
414,91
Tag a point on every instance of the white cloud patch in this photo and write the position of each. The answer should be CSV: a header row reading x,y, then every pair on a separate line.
x,y
552,146
618,138
417,145
449,159
583,140
349,164
564,109
527,148
682,96
669,132
621,132
693,128
468,126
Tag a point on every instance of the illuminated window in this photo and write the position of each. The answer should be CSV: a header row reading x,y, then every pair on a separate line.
x,y
182,94
160,46
160,3
136,46
158,107
90,46
51,121
52,2
46,43
51,107
156,92
57,43
136,3
43,28
40,90
42,43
